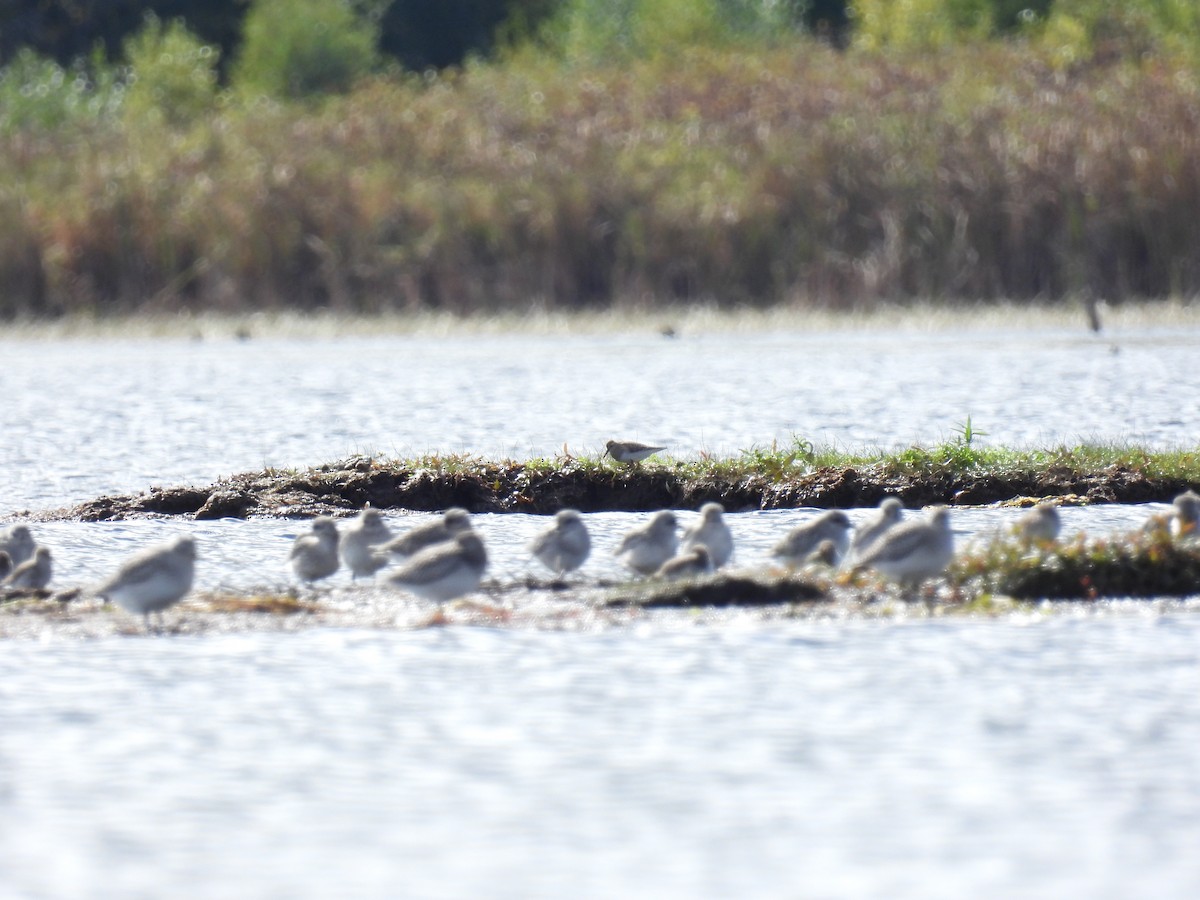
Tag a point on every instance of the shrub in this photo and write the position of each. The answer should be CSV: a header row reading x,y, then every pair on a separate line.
x,y
37,93
173,75
299,48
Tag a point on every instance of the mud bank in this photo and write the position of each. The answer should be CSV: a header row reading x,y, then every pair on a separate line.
x,y
344,487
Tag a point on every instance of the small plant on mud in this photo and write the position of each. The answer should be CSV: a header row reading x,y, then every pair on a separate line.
x,y
777,461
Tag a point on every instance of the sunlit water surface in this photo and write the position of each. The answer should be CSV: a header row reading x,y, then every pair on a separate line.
x,y
1051,758
1036,757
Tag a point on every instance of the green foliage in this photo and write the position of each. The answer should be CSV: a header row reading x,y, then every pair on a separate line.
x,y
37,93
601,29
1077,31
173,74
300,48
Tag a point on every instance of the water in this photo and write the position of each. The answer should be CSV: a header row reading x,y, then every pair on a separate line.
x,y
925,759
1040,756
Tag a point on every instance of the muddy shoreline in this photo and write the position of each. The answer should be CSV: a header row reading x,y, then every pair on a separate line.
x,y
344,487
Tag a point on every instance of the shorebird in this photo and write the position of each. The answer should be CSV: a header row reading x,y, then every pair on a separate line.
x,y
629,452
648,546
17,541
711,532
33,574
565,545
315,555
444,570
1185,515
360,542
913,551
454,521
889,514
154,579
688,564
1039,525
795,547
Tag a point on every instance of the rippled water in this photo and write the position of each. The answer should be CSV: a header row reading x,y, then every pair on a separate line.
x,y
1046,758
87,418
1038,756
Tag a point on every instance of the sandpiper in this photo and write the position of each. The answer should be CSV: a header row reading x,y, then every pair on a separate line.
x,y
795,547
154,579
565,545
17,541
711,532
648,546
315,555
629,452
689,564
33,574
1185,515
1039,525
454,521
889,514
913,551
444,570
360,542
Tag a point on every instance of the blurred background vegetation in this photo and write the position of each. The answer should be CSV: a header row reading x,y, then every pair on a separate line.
x,y
477,155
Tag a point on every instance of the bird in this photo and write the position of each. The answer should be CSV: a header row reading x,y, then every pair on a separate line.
x,y
33,574
648,546
445,570
711,532
826,554
629,452
1039,525
1185,515
799,543
17,541
315,555
454,521
154,579
360,541
889,514
564,546
688,564
913,551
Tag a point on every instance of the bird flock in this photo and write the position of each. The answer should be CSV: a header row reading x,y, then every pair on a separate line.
x,y
444,559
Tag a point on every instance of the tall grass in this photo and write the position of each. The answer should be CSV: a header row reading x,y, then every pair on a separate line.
x,y
794,174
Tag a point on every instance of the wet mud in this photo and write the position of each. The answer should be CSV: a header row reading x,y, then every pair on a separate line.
x,y
344,487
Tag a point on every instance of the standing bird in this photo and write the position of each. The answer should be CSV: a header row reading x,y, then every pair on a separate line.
x,y
629,452
795,547
154,579
360,542
913,551
315,555
1039,525
17,541
565,545
689,564
645,548
711,532
1185,515
454,521
33,574
444,570
890,512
